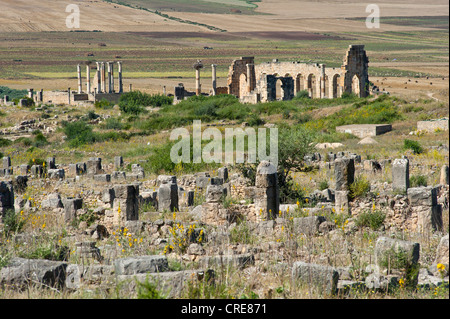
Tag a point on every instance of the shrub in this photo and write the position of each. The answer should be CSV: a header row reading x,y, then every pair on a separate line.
x,y
373,219
323,185
40,140
113,124
359,188
147,290
79,133
104,104
134,102
4,142
12,222
418,180
302,94
412,145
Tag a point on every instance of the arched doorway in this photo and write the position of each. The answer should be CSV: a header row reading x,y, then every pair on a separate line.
x,y
242,85
356,87
335,86
279,90
298,83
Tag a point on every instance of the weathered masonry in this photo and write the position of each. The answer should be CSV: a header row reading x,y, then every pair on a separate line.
x,y
97,87
283,80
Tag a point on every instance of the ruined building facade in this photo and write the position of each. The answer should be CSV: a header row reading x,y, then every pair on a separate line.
x,y
276,80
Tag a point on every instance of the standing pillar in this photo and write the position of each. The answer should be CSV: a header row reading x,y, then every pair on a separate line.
x,y
322,81
400,174
103,78
198,87
80,89
99,78
119,66
249,77
112,78
214,79
109,89
68,90
267,201
88,79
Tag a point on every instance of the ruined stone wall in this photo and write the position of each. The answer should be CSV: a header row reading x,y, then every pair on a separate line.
x,y
257,83
238,73
356,71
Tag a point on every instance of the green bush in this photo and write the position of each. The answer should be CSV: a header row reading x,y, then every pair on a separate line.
x,y
373,220
413,145
40,140
323,185
418,180
79,133
359,188
104,104
4,142
135,101
12,222
302,94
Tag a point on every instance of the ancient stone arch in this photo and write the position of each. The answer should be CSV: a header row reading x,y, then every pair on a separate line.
x,y
356,85
334,87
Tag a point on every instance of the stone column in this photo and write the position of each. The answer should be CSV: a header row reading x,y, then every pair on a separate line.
x,y
198,87
168,196
322,81
444,175
125,204
68,90
99,78
214,79
80,84
423,201
400,174
249,77
267,201
118,162
119,66
103,78
344,171
112,79
31,93
109,89
88,79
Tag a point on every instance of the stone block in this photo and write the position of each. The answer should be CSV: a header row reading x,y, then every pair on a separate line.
x,y
308,225
323,278
141,265
395,254
71,205
344,171
168,198
400,174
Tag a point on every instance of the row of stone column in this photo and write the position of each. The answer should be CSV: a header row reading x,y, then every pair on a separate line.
x,y
104,78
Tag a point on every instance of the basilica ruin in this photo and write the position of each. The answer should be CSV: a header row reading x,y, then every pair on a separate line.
x,y
283,80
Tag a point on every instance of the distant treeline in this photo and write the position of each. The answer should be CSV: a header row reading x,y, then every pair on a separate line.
x,y
12,93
